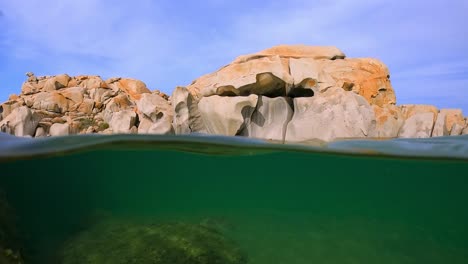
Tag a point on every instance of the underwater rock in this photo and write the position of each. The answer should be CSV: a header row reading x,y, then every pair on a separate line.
x,y
113,242
10,246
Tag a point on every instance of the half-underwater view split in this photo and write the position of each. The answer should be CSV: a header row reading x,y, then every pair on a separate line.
x,y
233,132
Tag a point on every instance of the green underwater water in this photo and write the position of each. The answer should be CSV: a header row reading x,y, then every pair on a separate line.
x,y
279,205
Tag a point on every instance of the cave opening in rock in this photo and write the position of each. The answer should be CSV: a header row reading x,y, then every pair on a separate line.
x,y
301,92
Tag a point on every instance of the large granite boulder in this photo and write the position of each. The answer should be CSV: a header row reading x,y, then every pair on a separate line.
x,y
293,70
333,114
446,120
187,117
20,122
270,118
419,121
228,116
122,122
155,114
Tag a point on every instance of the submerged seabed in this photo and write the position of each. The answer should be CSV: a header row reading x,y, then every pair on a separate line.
x,y
100,199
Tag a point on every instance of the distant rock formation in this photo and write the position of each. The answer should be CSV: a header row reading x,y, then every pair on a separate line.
x,y
63,105
291,93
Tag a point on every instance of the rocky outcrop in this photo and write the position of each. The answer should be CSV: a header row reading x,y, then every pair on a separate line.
x,y
63,105
288,93
283,72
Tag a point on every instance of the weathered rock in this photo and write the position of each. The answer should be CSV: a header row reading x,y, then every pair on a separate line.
x,y
7,107
298,72
227,116
160,126
270,118
296,51
118,103
100,95
263,76
187,118
305,74
75,94
446,119
333,114
88,82
154,107
32,87
157,111
418,125
465,130
367,77
409,110
388,121
86,107
58,129
454,116
134,88
456,130
56,82
51,101
20,122
40,132
440,126
122,121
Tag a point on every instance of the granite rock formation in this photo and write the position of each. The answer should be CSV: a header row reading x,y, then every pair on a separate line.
x,y
292,93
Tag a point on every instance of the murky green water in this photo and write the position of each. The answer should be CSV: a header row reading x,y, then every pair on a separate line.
x,y
276,204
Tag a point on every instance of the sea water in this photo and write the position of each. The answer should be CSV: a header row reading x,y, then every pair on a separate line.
x,y
348,202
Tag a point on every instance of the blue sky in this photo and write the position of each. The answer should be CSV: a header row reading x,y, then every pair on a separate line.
x,y
168,43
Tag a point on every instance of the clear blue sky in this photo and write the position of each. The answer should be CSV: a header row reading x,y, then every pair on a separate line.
x,y
167,43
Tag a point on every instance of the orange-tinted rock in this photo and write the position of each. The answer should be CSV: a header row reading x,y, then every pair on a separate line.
x,y
32,87
263,76
388,121
453,116
134,88
86,106
410,110
419,121
368,77
296,51
51,101
298,71
56,82
88,82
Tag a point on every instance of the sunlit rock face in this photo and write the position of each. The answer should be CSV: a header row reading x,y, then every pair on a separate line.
x,y
287,93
